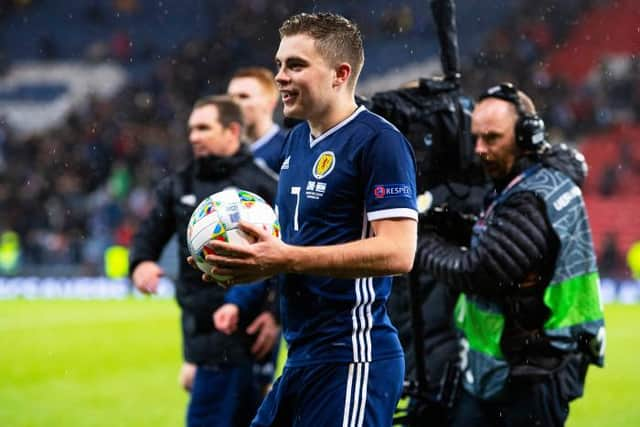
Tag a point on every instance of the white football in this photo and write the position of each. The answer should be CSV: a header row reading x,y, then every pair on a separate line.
x,y
217,217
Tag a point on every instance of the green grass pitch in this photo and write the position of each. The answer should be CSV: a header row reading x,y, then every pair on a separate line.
x,y
115,363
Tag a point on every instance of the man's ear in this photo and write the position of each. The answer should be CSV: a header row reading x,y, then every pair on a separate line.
x,y
343,72
273,102
235,128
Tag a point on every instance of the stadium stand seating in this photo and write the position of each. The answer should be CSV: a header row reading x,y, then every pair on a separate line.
x,y
159,27
618,216
618,148
610,28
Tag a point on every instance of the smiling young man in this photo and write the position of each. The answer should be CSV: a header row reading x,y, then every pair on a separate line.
x,y
346,203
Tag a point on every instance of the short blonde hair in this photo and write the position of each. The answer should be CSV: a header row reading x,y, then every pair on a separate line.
x,y
336,38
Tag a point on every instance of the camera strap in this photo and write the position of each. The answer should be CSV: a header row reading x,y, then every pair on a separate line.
x,y
505,192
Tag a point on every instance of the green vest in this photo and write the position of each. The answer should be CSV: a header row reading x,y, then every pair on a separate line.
x,y
573,294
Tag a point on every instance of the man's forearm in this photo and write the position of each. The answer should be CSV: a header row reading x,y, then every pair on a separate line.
x,y
382,255
514,244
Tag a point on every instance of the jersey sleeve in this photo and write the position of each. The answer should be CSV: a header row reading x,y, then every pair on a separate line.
x,y
249,298
390,177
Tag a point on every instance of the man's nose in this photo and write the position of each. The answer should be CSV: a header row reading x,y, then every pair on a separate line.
x,y
281,77
481,147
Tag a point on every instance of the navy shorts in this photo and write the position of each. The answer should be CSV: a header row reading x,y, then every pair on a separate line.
x,y
334,394
223,396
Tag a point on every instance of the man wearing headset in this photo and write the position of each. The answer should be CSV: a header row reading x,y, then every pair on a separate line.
x,y
529,309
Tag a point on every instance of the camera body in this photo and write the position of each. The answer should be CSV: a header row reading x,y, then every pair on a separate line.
x,y
436,119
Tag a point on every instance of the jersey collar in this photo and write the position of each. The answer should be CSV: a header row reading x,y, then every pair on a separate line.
x,y
264,138
313,142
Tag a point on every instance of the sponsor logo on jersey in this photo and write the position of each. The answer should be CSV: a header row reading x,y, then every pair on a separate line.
x,y
385,191
315,190
324,164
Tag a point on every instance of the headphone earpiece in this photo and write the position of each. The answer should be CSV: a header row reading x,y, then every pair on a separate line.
x,y
530,132
529,129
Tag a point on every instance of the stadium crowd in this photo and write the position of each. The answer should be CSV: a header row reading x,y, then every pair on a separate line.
x,y
71,192
520,50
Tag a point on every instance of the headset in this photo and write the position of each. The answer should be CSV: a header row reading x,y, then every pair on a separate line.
x,y
529,129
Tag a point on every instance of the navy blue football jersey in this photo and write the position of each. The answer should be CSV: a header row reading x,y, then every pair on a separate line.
x,y
331,188
269,146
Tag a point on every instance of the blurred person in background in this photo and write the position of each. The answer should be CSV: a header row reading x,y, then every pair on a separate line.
x,y
255,90
217,367
530,308
610,260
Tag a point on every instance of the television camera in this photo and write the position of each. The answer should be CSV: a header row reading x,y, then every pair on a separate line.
x,y
435,116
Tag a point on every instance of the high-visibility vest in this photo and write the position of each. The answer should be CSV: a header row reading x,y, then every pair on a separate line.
x,y
573,294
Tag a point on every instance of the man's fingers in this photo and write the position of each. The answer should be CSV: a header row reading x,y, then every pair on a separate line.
x,y
259,347
265,335
254,326
207,278
258,323
225,327
143,289
192,262
262,346
223,271
217,261
253,230
226,251
147,286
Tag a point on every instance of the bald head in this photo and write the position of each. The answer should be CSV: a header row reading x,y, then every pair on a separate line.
x,y
493,125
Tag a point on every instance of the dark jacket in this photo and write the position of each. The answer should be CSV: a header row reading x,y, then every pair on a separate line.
x,y
521,241
176,196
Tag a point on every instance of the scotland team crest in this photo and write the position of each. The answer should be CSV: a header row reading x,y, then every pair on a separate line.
x,y
324,164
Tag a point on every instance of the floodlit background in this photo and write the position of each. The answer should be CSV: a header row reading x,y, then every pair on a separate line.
x,y
94,97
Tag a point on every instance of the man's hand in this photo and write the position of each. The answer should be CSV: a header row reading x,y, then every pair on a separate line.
x,y
248,263
206,277
225,318
530,280
146,276
267,329
186,376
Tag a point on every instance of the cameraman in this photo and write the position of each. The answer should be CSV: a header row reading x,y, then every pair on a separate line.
x,y
529,305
